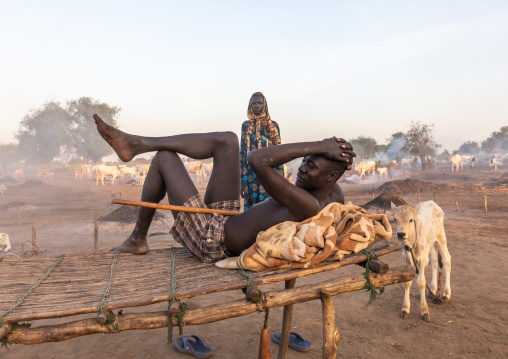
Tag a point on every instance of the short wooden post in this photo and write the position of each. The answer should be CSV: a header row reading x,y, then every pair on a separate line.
x,y
434,196
331,335
485,198
372,195
19,214
286,323
456,206
34,241
95,233
418,198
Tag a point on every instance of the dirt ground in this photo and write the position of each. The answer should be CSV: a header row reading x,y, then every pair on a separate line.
x,y
472,325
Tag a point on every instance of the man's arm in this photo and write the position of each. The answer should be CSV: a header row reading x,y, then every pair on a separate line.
x,y
298,201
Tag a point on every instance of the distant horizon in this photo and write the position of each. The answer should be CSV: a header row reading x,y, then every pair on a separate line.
x,y
326,69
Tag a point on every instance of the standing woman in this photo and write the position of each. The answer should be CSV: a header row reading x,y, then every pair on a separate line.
x,y
259,131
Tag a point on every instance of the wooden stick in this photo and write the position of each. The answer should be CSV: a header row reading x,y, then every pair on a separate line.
x,y
210,314
331,335
286,323
173,208
434,196
34,241
102,318
456,206
418,198
376,266
485,198
372,195
19,215
95,233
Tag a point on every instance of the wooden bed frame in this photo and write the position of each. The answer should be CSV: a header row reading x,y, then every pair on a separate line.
x,y
77,286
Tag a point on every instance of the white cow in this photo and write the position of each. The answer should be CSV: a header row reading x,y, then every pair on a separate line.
x,y
125,170
197,168
142,172
80,172
18,173
418,229
2,188
365,167
89,169
207,170
382,171
493,164
103,171
5,244
456,162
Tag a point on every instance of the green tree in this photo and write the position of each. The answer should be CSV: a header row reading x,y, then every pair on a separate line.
x,y
87,143
9,155
470,147
43,132
54,131
497,142
364,147
420,141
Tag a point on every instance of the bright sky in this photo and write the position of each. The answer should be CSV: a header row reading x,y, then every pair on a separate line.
x,y
344,68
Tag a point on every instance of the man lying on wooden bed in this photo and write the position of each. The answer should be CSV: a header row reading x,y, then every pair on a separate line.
x,y
212,237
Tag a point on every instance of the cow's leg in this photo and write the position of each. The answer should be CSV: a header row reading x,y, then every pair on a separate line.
x,y
435,272
442,247
406,304
424,310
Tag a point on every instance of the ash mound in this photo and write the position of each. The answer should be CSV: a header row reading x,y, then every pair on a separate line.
x,y
33,183
127,214
383,201
497,182
7,179
411,185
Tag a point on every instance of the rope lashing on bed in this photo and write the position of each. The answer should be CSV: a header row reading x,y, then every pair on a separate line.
x,y
100,307
173,299
38,283
368,284
261,303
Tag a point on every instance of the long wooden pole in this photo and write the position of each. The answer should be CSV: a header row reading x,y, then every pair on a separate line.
x,y
173,208
210,314
286,323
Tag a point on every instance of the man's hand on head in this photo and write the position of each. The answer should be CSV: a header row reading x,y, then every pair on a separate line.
x,y
347,153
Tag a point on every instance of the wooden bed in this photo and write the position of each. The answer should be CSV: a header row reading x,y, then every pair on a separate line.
x,y
77,285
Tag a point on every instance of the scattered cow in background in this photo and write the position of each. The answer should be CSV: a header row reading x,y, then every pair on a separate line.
x,y
418,229
2,188
207,170
45,173
18,173
365,167
103,171
5,244
80,172
197,168
456,161
382,171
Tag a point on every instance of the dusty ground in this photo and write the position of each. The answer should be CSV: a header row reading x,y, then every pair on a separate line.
x,y
472,325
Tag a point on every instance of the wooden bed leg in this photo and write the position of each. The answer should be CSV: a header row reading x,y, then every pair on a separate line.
x,y
286,323
330,333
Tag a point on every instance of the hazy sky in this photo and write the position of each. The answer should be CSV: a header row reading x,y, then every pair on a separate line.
x,y
344,68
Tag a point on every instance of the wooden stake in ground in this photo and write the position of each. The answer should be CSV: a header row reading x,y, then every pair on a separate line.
x,y
34,241
456,206
372,195
19,215
95,233
418,198
434,196
485,198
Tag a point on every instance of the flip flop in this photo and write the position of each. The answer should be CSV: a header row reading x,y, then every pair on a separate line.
x,y
295,341
194,347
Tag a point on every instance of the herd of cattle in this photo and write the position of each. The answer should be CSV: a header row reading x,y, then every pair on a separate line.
x,y
203,170
457,162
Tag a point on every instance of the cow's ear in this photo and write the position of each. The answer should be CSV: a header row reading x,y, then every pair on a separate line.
x,y
394,207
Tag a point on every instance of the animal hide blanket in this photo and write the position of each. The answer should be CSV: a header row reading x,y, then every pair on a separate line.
x,y
335,231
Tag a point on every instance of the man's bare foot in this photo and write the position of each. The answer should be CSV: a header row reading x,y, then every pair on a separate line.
x,y
123,143
133,246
